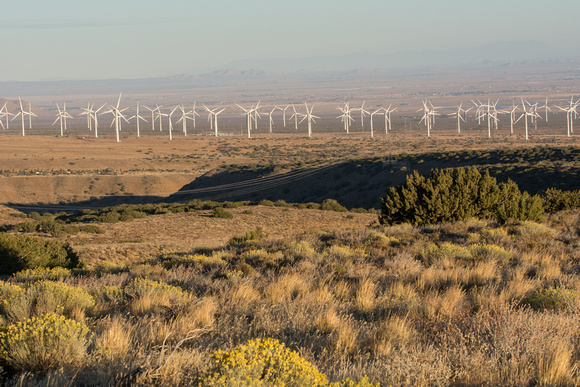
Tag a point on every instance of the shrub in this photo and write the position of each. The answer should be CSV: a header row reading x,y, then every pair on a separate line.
x,y
457,194
147,295
47,297
262,363
557,200
445,250
489,251
551,299
220,212
42,273
247,237
332,205
43,343
197,260
20,252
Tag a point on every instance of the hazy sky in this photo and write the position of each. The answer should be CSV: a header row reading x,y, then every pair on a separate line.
x,y
77,39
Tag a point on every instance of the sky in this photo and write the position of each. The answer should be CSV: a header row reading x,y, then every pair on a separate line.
x,y
79,39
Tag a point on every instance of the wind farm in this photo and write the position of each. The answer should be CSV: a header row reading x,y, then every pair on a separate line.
x,y
410,225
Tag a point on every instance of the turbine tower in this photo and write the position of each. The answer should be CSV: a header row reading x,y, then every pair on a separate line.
x,y
193,114
160,116
362,113
461,116
171,123
271,120
526,114
295,116
345,117
248,113
284,113
388,121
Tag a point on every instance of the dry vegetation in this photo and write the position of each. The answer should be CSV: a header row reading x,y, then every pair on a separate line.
x,y
465,303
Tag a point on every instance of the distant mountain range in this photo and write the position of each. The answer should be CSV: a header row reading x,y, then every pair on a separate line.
x,y
493,52
494,56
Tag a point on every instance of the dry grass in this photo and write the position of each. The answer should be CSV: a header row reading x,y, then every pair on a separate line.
x,y
380,309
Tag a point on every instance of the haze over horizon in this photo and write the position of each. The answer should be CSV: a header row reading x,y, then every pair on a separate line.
x,y
64,40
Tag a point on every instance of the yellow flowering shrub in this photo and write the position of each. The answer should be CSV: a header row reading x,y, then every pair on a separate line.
x,y
154,290
301,249
262,363
42,343
381,240
344,252
42,273
45,296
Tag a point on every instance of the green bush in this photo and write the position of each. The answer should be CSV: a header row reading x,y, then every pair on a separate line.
x,y
44,343
457,194
551,299
220,212
557,200
332,205
20,252
42,273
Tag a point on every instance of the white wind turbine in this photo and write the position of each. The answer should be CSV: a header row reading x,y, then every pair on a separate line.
x,y
248,114
4,113
183,119
271,119
22,113
171,123
88,111
118,115
547,108
95,116
428,116
256,115
372,115
193,114
159,116
345,117
310,118
513,120
461,116
62,116
284,113
153,111
138,117
570,110
215,117
362,113
388,121
526,114
295,116
210,116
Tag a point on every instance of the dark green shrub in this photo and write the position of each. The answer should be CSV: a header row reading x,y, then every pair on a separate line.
x,y
557,200
457,194
220,212
20,252
551,299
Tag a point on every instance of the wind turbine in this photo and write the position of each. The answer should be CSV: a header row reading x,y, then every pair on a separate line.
x,y
4,113
362,113
256,115
295,115
547,108
527,114
310,118
96,119
248,114
117,114
171,123
153,111
372,115
215,115
210,116
461,116
571,109
284,113
345,117
160,116
270,116
428,116
193,114
183,119
88,111
388,122
138,117
513,120
62,117
23,113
